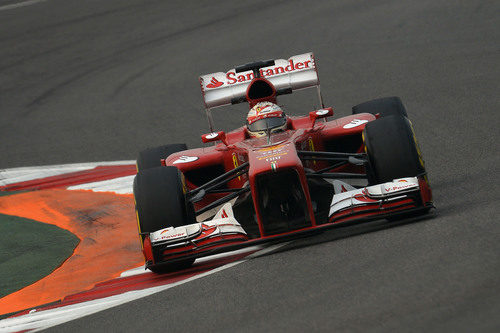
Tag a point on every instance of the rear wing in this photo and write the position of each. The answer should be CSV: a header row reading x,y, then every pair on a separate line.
x,y
297,72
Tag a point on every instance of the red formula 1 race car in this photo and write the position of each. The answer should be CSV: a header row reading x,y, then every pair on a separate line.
x,y
276,177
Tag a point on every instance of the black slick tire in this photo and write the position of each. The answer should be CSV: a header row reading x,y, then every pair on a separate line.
x,y
392,150
151,157
171,267
160,203
386,106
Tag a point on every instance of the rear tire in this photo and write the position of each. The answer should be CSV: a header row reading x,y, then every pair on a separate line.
x,y
392,150
386,106
151,157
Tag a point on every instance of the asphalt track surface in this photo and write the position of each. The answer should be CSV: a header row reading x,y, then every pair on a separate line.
x,y
100,80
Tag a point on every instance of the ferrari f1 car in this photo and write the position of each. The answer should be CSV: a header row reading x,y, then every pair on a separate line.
x,y
308,176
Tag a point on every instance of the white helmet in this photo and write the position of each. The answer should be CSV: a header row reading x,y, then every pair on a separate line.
x,y
264,118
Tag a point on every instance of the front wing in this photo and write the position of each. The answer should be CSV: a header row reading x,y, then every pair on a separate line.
x,y
349,205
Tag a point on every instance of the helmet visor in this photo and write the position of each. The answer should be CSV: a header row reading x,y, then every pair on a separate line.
x,y
266,123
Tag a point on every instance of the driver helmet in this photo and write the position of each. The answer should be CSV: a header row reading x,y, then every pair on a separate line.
x,y
265,117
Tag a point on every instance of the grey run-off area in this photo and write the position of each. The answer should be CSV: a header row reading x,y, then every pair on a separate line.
x,y
100,80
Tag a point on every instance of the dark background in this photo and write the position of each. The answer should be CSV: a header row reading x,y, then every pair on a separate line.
x,y
100,80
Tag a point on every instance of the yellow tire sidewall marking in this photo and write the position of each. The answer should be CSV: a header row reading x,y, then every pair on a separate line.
x,y
417,147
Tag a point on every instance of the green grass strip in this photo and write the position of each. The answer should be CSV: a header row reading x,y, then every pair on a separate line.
x,y
30,250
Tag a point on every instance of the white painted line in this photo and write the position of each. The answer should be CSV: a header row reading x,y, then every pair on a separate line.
x,y
40,320
121,185
72,165
21,4
17,175
267,250
142,270
134,271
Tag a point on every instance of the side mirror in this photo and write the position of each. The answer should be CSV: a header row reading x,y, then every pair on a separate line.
x,y
318,114
214,136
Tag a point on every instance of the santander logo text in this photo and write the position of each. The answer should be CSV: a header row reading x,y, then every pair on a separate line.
x,y
232,78
289,66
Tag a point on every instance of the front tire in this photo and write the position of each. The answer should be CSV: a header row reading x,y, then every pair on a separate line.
x,y
392,150
168,267
160,203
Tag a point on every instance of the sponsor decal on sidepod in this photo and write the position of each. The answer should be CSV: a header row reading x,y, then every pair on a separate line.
x,y
355,123
185,159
